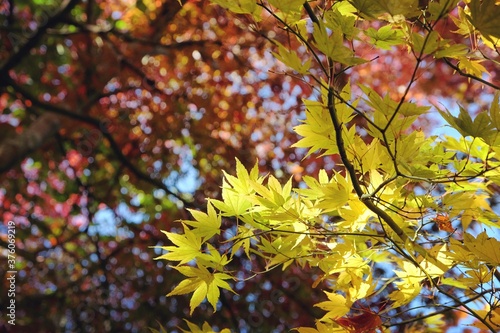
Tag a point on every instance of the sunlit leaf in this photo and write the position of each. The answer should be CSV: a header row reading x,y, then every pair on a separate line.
x,y
336,306
484,16
202,283
485,248
206,225
186,246
385,37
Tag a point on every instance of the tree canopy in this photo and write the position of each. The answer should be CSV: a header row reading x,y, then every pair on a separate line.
x,y
324,166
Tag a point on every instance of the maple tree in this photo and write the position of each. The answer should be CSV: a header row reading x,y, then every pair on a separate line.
x,y
414,206
118,117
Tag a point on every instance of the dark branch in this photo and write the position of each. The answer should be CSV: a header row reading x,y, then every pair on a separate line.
x,y
14,149
24,50
100,126
470,76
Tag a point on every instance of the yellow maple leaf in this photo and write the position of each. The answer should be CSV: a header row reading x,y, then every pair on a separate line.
x,y
409,286
205,225
336,306
317,129
472,67
483,247
202,283
203,329
491,316
186,246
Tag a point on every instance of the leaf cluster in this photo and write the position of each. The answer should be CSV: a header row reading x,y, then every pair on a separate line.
x,y
392,184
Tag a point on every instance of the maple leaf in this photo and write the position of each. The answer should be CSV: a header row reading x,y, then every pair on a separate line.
x,y
290,10
385,37
444,223
336,306
495,111
332,45
366,322
212,258
471,66
186,246
202,283
240,6
287,5
479,127
292,59
483,247
317,130
409,287
367,8
237,190
206,224
205,328
425,44
484,16
406,8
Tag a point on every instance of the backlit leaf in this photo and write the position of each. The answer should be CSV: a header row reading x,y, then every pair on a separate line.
x,y
484,16
186,246
202,283
495,111
206,225
485,248
292,59
385,37
479,127
406,8
336,306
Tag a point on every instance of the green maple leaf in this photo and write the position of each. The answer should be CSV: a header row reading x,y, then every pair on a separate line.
x,y
287,6
385,37
331,43
406,8
317,130
471,66
367,8
480,127
495,111
451,51
239,7
373,8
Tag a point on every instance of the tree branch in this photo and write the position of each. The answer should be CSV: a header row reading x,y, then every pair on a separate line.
x,y
14,149
351,171
23,51
99,125
470,76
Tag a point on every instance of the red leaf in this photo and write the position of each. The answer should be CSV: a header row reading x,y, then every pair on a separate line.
x,y
366,322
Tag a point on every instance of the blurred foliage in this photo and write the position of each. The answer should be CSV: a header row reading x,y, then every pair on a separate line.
x,y
148,101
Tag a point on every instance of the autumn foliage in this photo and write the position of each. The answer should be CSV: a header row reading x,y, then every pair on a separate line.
x,y
116,116
247,165
400,232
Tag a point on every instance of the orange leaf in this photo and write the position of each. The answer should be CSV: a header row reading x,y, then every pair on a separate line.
x,y
444,223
